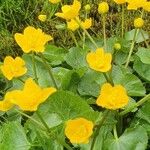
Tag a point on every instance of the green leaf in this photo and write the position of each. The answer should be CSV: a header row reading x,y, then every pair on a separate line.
x,y
143,117
76,57
120,58
70,81
13,137
144,55
131,82
139,38
54,55
90,83
44,79
110,44
131,139
67,105
142,69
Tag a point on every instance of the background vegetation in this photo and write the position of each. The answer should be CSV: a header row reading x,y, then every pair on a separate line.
x,y
15,15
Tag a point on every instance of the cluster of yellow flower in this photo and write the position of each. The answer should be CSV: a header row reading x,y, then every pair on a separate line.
x,y
111,96
32,94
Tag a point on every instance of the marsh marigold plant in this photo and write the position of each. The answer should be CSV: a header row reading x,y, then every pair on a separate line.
x,y
31,96
70,11
79,130
99,60
112,97
13,67
32,40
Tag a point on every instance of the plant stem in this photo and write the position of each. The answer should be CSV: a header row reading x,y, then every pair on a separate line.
x,y
147,45
43,122
108,78
98,128
21,80
115,132
86,32
34,67
122,25
74,38
32,119
49,69
104,30
139,103
131,48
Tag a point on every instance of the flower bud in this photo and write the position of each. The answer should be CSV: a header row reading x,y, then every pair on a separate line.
x,y
42,18
117,46
87,7
103,8
138,23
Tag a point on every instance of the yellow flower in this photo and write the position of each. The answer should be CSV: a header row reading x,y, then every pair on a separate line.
x,y
54,1
6,104
42,18
146,6
138,23
32,40
87,23
103,8
112,97
72,25
13,67
70,11
135,4
79,130
31,96
99,60
120,1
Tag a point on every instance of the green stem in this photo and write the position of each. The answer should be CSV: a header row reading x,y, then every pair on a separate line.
x,y
34,67
43,122
32,119
68,147
21,80
86,32
108,78
49,69
115,132
122,25
104,30
119,124
74,38
83,40
131,48
139,103
147,45
98,128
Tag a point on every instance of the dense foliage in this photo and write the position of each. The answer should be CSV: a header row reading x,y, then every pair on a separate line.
x,y
76,86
